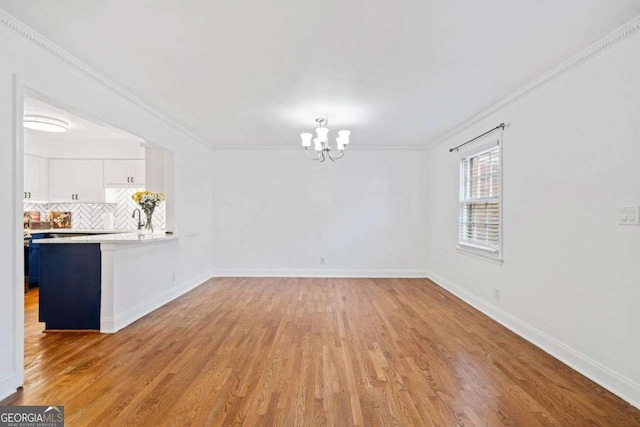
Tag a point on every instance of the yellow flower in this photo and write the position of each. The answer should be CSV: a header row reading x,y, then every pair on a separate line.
x,y
137,197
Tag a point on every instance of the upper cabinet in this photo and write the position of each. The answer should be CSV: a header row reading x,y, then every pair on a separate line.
x,y
124,173
36,178
90,181
76,180
63,180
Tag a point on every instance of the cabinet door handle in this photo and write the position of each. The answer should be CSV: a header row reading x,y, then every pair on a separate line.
x,y
73,197
29,194
128,179
25,194
131,179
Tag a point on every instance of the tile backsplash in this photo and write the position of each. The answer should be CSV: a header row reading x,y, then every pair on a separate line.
x,y
89,215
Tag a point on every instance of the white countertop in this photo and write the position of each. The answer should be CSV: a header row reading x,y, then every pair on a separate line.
x,y
112,238
79,231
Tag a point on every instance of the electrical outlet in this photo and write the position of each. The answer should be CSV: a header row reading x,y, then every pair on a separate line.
x,y
322,260
496,294
629,215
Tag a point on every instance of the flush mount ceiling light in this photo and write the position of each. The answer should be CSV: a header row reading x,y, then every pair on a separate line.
x,y
321,142
45,123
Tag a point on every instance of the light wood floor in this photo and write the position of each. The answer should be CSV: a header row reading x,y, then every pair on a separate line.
x,y
314,352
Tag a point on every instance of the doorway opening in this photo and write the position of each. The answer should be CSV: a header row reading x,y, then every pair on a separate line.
x,y
79,176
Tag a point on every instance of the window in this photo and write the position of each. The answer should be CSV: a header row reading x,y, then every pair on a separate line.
x,y
480,201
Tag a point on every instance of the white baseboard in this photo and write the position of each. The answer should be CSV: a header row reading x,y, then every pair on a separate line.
x,y
114,324
9,384
321,272
595,371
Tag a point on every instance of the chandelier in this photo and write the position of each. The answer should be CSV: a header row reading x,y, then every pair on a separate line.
x,y
321,142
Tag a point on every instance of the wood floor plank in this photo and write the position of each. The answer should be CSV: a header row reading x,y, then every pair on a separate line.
x,y
321,352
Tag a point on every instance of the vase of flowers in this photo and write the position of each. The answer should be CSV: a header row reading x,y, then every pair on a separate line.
x,y
148,202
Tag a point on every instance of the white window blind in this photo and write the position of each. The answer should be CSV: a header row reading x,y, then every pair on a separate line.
x,y
480,200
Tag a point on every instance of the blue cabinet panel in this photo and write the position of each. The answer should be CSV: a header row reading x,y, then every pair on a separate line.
x,y
70,286
34,258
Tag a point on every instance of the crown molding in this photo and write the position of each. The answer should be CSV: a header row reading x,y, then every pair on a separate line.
x,y
29,33
611,39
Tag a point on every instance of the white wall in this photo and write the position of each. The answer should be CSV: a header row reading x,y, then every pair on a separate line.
x,y
571,274
36,147
59,80
137,279
95,150
277,212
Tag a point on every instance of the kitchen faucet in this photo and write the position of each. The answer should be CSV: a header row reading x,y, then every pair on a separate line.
x,y
139,218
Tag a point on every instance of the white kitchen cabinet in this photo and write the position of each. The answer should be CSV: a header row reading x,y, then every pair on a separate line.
x,y
44,178
31,176
36,174
139,173
76,180
90,186
63,177
124,173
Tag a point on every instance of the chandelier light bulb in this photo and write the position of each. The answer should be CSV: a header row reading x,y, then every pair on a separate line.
x,y
322,133
341,142
344,136
306,139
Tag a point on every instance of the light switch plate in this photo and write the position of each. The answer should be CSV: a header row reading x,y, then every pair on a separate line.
x,y
629,215
623,216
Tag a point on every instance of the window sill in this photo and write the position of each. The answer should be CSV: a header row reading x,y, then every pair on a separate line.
x,y
479,254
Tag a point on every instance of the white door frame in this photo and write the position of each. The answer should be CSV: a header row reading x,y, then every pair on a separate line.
x,y
18,227
20,87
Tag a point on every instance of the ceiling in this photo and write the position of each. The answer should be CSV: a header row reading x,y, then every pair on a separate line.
x,y
80,129
257,73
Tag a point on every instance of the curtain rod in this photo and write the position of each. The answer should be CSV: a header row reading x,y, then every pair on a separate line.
x,y
501,125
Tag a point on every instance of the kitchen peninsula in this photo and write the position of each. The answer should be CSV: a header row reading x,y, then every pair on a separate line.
x,y
98,282
32,250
